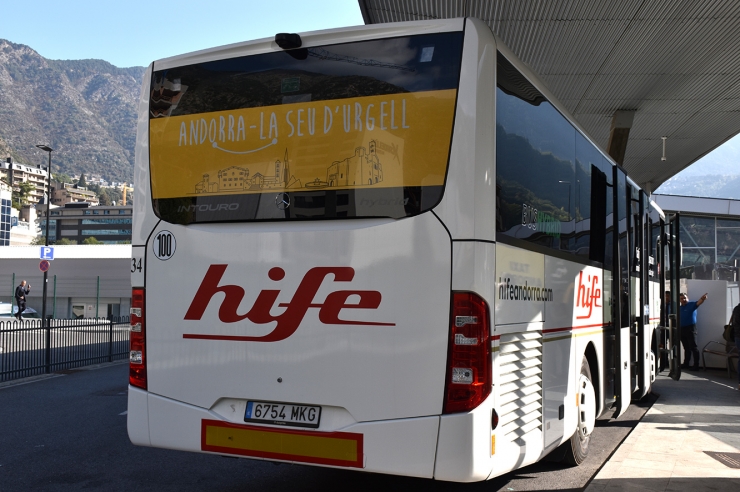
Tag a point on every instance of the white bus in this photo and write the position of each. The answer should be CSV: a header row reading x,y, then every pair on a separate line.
x,y
386,248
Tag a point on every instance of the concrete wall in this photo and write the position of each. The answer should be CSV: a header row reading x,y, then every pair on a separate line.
x,y
714,313
76,283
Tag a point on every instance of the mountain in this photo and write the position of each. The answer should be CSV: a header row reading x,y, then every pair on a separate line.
x,y
724,160
709,186
4,148
84,109
716,175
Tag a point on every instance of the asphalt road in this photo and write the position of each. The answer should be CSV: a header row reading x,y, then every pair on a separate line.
x,y
68,432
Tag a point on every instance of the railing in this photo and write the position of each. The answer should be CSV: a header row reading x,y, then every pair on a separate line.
x,y
28,348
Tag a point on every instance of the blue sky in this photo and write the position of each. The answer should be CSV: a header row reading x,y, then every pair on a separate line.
x,y
136,32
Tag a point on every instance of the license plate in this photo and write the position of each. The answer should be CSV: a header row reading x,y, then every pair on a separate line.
x,y
289,414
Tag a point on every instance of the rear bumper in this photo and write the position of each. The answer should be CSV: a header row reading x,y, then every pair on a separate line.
x,y
464,447
397,447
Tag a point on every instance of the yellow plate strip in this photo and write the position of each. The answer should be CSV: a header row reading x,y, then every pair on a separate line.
x,y
332,448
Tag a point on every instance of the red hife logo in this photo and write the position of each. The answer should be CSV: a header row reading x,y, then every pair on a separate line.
x,y
588,294
295,310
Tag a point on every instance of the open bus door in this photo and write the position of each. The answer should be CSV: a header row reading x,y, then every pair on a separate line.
x,y
621,294
642,356
670,256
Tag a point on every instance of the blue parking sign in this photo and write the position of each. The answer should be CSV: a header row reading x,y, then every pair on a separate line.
x,y
47,253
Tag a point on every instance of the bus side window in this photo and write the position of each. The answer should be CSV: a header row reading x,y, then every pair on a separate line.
x,y
535,164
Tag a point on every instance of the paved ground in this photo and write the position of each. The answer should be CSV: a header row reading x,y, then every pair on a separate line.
x,y
688,441
67,432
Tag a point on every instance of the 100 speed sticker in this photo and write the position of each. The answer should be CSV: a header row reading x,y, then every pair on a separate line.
x,y
164,245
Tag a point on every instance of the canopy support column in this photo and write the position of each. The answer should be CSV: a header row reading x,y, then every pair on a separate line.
x,y
619,134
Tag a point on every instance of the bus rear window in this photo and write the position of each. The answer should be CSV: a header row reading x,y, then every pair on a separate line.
x,y
353,130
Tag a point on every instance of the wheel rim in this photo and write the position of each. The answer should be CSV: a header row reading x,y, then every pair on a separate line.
x,y
586,407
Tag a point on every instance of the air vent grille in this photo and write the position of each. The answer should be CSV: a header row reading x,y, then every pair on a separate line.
x,y
520,384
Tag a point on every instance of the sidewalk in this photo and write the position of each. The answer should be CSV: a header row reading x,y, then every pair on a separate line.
x,y
688,441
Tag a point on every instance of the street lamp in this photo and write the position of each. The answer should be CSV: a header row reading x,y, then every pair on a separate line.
x,y
48,150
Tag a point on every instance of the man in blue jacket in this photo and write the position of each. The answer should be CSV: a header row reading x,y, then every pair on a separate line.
x,y
688,329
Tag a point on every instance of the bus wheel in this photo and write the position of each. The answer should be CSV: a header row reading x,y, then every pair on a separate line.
x,y
577,447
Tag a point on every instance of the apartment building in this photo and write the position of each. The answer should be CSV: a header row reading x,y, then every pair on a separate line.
x,y
18,173
5,214
63,193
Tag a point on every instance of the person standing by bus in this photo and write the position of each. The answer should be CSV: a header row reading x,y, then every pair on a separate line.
x,y
667,305
735,322
665,311
688,329
20,298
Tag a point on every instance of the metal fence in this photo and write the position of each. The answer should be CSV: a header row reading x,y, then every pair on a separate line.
x,y
28,348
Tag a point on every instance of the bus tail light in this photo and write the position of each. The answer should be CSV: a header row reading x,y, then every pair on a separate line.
x,y
137,353
469,378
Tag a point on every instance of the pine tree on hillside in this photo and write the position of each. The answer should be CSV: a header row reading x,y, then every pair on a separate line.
x,y
81,182
104,198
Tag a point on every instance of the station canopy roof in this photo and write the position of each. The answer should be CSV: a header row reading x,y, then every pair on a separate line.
x,y
671,66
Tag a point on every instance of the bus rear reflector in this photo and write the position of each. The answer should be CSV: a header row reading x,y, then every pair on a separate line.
x,y
137,353
302,446
469,376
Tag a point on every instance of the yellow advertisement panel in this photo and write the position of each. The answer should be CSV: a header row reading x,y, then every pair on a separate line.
x,y
383,141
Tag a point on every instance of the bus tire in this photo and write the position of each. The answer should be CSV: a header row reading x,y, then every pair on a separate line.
x,y
577,447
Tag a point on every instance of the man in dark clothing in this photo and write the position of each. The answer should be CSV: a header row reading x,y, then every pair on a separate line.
x,y
665,311
667,304
735,322
688,329
20,298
